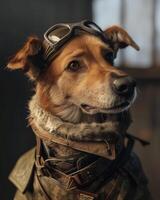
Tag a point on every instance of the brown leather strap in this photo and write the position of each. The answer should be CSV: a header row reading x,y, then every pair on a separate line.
x,y
84,176
81,177
97,148
91,172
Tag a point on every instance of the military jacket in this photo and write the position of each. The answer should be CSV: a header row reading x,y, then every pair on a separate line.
x,y
128,183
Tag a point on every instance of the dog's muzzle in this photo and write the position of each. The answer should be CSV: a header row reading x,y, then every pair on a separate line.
x,y
124,92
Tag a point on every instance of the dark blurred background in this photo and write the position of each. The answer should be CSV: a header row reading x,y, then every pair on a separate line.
x,y
21,18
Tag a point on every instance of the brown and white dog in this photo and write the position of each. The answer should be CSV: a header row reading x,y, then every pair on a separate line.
x,y
81,96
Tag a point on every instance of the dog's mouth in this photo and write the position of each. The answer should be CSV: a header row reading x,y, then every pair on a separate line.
x,y
111,110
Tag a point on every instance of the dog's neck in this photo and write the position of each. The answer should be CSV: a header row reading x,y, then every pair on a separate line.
x,y
45,121
89,130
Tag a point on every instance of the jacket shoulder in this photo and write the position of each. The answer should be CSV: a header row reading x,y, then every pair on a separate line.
x,y
23,170
135,170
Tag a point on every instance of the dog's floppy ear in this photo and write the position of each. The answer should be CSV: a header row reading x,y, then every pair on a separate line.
x,y
119,38
29,58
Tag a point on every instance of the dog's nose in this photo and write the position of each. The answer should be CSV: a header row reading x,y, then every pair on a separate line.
x,y
124,85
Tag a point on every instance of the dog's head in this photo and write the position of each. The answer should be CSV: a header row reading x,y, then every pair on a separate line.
x,y
82,77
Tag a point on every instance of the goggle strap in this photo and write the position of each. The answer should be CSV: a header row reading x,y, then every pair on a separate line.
x,y
86,26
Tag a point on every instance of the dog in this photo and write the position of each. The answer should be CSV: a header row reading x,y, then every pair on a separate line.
x,y
80,116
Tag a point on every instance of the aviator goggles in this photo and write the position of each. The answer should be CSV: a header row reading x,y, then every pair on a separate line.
x,y
56,36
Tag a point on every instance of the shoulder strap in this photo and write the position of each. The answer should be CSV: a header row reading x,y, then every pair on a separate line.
x,y
23,170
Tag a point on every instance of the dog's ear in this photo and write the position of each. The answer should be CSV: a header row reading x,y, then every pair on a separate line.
x,y
29,58
119,38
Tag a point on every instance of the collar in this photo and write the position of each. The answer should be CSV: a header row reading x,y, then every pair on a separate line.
x,y
81,132
81,136
103,148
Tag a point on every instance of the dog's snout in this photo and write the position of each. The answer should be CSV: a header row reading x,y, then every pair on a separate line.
x,y
124,85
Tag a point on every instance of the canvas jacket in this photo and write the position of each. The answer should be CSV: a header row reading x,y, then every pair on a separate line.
x,y
127,183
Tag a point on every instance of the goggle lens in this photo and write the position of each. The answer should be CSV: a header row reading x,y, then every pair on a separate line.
x,y
58,34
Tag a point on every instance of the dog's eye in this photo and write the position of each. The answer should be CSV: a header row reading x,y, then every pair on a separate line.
x,y
74,66
109,57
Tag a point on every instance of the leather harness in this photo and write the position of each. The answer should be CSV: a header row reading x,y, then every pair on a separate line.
x,y
79,179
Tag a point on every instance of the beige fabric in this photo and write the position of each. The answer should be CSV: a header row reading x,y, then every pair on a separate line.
x,y
20,196
21,174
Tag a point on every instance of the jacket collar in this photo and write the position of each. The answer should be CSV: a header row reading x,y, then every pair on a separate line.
x,y
23,170
81,136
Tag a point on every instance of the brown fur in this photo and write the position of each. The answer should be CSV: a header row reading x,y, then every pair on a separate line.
x,y
89,49
94,64
59,90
